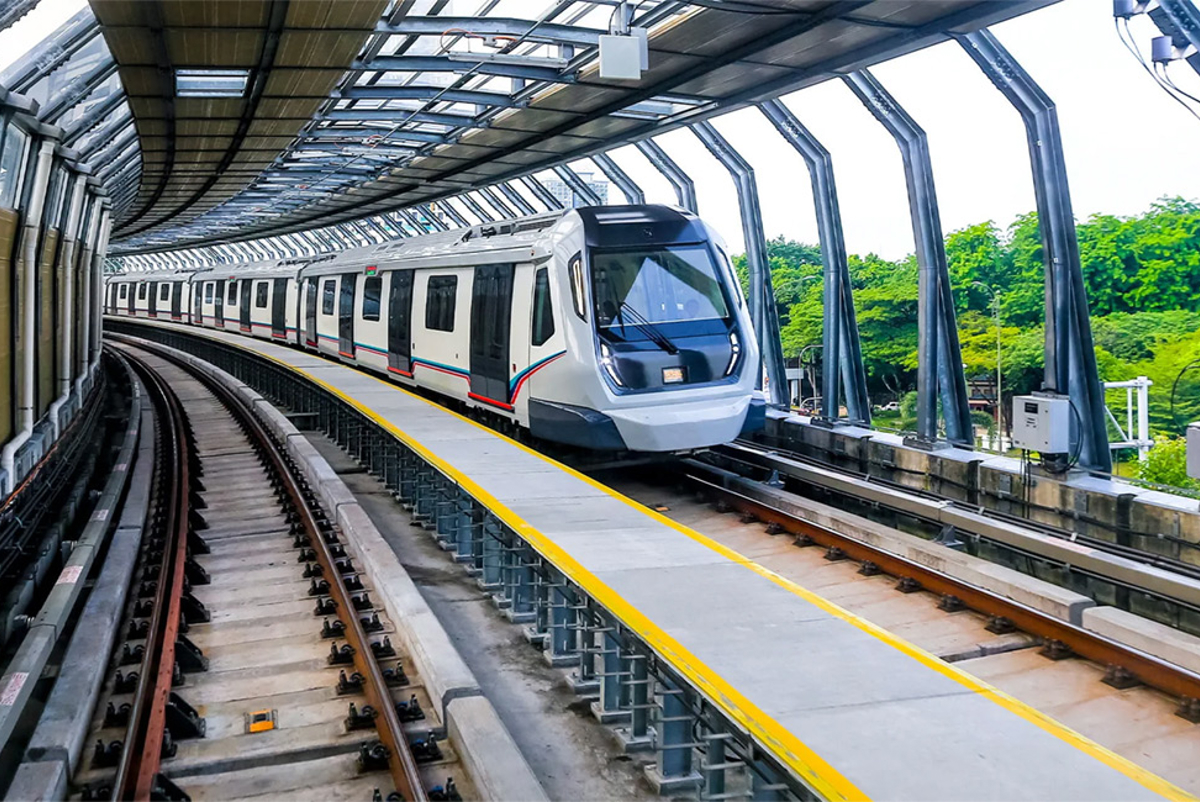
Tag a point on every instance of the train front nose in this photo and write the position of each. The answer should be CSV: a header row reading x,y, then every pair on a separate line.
x,y
681,426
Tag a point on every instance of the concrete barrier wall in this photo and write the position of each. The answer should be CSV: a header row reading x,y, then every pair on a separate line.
x,y
1105,509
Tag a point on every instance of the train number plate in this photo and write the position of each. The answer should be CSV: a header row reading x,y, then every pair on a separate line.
x,y
672,375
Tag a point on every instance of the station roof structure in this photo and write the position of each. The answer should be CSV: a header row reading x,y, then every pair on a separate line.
x,y
221,120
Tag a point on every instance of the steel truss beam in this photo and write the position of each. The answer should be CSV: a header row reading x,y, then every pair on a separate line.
x,y
939,359
526,30
762,297
531,72
1070,365
685,188
842,352
621,179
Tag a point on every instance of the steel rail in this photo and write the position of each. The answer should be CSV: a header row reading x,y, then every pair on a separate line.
x,y
1147,669
141,758
739,449
401,762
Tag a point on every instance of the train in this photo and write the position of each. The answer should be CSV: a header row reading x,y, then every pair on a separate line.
x,y
607,328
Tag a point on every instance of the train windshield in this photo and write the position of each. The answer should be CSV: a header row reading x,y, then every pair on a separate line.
x,y
668,284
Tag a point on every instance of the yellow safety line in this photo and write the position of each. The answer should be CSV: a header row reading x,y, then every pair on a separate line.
x,y
824,778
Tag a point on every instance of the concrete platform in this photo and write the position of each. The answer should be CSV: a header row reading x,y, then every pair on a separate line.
x,y
842,702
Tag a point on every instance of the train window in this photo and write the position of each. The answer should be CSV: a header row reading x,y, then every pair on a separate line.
x,y
328,293
543,313
209,288
232,295
11,160
164,292
440,300
372,290
141,291
124,292
260,294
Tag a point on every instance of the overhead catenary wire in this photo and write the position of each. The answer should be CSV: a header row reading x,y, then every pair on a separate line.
x,y
1127,39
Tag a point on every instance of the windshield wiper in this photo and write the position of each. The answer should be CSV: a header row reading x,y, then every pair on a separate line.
x,y
646,327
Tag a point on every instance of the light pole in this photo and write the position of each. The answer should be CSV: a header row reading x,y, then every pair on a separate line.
x,y
994,294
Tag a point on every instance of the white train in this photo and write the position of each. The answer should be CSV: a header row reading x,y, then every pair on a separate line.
x,y
613,328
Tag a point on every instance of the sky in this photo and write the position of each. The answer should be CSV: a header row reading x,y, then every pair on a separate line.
x,y
1126,141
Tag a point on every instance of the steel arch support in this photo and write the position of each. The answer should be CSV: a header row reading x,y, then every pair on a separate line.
x,y
408,217
841,346
629,188
541,193
428,215
1070,354
448,209
685,188
476,208
577,185
497,203
762,296
516,199
939,357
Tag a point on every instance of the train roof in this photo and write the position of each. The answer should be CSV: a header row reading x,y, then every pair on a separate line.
x,y
522,239
152,275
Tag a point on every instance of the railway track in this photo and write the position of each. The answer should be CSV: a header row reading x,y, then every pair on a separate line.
x,y
1083,681
255,660
1117,568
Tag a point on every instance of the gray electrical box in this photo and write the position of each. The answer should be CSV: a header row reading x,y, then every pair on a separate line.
x,y
1193,450
621,57
1042,423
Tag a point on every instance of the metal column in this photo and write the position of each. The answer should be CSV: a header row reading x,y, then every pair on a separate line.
x,y
762,296
629,188
841,347
685,189
939,358
1070,355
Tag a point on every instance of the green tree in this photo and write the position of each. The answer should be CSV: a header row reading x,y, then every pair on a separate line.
x,y
1166,464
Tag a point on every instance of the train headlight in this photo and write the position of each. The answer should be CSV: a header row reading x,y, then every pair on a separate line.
x,y
578,293
735,352
610,367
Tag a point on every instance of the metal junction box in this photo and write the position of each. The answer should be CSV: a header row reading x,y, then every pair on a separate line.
x,y
1042,423
1193,450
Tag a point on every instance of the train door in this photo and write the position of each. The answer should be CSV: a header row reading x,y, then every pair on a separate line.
x,y
310,313
131,298
346,315
219,305
279,308
152,301
491,313
198,302
400,294
177,300
244,304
